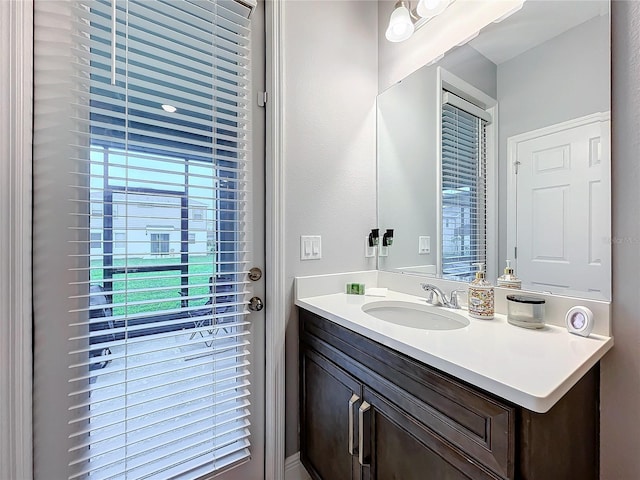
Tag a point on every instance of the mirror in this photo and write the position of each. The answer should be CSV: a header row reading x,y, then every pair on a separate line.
x,y
542,79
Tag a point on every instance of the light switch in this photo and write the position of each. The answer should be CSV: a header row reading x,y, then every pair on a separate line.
x,y
310,247
424,245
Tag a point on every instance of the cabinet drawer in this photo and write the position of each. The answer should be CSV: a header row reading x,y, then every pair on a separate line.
x,y
477,424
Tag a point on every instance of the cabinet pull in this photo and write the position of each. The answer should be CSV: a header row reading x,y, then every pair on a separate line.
x,y
353,449
364,425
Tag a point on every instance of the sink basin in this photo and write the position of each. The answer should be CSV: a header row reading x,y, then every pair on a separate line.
x,y
415,315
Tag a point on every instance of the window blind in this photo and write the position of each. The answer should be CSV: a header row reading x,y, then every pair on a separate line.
x,y
158,339
464,168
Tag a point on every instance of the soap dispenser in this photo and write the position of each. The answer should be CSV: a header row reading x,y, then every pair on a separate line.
x,y
509,279
480,301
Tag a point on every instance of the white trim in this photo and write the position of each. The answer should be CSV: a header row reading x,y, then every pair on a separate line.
x,y
512,185
275,237
16,72
493,233
294,470
438,114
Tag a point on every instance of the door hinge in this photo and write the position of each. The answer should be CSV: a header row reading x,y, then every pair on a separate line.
x,y
515,252
262,99
516,164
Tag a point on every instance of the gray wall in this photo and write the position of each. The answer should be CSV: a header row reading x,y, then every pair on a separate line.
x,y
547,85
620,373
407,167
331,80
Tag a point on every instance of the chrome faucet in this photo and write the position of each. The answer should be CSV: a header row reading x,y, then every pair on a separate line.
x,y
440,296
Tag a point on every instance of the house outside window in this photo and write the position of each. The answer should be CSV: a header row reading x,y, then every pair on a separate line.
x,y
159,243
198,214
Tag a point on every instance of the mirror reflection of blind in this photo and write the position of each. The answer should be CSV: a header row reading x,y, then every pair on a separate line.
x,y
157,335
464,168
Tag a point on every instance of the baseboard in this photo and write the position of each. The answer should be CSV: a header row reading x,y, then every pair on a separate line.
x,y
293,469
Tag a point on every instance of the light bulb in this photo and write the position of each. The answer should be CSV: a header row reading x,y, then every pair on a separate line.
x,y
400,25
431,8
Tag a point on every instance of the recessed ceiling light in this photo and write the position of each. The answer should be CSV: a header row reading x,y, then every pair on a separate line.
x,y
169,108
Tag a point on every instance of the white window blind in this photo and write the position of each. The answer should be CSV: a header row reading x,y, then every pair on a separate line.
x,y
464,169
157,350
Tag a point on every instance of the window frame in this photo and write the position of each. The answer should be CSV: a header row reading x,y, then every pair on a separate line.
x,y
450,82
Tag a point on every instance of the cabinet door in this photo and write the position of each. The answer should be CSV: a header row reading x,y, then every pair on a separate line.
x,y
329,403
394,446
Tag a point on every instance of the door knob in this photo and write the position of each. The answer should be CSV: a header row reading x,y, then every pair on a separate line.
x,y
255,304
255,274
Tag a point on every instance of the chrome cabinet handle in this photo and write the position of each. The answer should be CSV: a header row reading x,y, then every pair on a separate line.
x,y
362,427
353,449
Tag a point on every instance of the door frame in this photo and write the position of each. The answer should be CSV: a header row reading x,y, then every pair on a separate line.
x,y
16,66
16,20
275,315
512,182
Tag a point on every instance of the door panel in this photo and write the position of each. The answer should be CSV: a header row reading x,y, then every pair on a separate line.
x,y
395,437
563,213
327,415
147,363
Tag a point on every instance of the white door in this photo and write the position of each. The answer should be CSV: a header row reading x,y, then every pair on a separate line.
x,y
149,213
562,222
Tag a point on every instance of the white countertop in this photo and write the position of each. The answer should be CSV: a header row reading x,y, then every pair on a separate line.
x,y
531,368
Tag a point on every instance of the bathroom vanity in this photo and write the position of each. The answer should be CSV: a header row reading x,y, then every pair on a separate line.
x,y
381,399
370,412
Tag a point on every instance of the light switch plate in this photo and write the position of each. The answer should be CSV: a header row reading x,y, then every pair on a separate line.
x,y
310,247
424,245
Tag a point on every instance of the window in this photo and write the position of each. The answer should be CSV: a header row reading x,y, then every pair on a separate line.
x,y
192,239
464,172
155,337
159,243
96,240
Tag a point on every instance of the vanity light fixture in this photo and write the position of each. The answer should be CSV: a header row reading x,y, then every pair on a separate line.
x,y
401,25
431,8
404,21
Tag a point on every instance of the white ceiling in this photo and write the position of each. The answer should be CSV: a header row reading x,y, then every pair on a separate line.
x,y
523,30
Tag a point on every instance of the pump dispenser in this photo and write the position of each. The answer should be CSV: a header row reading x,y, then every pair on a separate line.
x,y
481,301
509,279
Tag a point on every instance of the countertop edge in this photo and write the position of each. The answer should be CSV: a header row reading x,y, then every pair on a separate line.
x,y
528,400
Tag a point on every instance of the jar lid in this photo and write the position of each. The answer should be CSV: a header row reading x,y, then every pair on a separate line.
x,y
525,299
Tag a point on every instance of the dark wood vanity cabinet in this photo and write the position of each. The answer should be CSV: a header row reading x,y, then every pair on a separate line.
x,y
369,412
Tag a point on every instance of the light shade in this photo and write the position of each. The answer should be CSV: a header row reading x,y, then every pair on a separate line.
x,y
400,25
431,8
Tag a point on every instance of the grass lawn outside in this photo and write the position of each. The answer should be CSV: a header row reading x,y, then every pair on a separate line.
x,y
159,299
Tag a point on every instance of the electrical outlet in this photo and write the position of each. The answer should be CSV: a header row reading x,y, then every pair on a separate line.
x,y
368,251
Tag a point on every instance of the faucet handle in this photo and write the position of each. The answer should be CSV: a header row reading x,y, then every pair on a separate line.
x,y
429,297
453,299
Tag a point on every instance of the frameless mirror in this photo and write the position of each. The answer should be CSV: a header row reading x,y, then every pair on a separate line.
x,y
500,150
